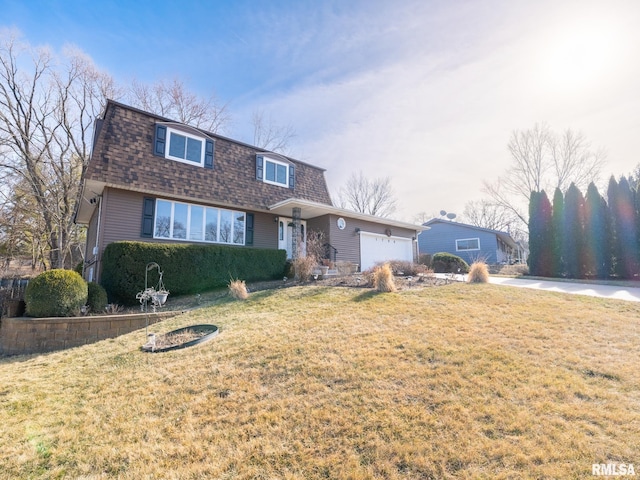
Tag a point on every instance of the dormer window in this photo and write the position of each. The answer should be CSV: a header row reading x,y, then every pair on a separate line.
x,y
183,147
275,171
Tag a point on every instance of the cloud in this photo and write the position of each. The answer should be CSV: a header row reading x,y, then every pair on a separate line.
x,y
433,108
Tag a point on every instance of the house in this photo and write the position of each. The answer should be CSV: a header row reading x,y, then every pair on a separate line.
x,y
155,180
471,243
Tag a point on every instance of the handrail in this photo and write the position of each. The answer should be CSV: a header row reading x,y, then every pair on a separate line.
x,y
330,252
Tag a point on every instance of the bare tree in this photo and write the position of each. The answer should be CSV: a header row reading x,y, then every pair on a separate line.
x,y
270,136
373,197
423,217
47,108
486,214
543,160
172,100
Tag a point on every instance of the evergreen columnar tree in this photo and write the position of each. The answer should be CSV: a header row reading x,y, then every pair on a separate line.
x,y
622,227
558,266
573,233
624,215
597,246
540,237
614,245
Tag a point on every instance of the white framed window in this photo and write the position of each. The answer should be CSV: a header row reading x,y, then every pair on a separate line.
x,y
195,223
466,244
275,172
184,147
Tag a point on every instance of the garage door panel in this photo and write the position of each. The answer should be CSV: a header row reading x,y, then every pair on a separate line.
x,y
375,248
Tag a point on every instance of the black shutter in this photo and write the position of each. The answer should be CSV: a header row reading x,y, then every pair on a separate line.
x,y
148,210
259,167
208,154
292,176
249,235
160,140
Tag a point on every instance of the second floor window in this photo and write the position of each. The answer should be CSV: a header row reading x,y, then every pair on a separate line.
x,y
183,147
275,172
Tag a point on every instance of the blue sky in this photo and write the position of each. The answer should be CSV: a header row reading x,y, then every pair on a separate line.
x,y
426,92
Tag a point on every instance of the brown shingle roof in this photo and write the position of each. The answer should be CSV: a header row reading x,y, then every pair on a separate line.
x,y
123,156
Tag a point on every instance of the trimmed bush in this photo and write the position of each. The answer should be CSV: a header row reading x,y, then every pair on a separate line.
x,y
444,262
478,273
56,293
188,268
97,297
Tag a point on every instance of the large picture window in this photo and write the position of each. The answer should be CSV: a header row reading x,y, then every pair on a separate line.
x,y
183,221
466,244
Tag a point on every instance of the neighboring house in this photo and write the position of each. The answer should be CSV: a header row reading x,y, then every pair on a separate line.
x,y
152,179
470,243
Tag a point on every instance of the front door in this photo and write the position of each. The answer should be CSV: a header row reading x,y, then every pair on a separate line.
x,y
285,236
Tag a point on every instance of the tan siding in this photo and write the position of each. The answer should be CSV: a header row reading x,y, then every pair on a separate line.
x,y
124,221
265,231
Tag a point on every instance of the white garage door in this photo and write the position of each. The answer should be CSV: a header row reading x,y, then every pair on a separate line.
x,y
376,248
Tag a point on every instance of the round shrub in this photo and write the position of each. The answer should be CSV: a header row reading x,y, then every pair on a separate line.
x,y
97,297
448,263
56,293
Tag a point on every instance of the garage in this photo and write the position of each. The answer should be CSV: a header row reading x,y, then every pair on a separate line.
x,y
376,248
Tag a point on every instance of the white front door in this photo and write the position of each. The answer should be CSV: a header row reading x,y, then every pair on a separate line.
x,y
285,236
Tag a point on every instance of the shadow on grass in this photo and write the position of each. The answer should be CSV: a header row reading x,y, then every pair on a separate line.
x,y
368,295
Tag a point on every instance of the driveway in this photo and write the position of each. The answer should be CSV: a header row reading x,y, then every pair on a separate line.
x,y
631,294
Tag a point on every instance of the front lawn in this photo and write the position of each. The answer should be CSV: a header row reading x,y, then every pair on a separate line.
x,y
456,381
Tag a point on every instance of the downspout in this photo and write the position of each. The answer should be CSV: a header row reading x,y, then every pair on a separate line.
x,y
95,248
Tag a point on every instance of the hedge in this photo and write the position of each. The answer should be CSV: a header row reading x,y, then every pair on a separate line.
x,y
187,269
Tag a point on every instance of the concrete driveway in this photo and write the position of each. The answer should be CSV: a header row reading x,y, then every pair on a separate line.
x,y
631,294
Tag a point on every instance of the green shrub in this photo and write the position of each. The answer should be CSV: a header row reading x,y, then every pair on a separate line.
x,y
188,268
56,293
448,263
97,297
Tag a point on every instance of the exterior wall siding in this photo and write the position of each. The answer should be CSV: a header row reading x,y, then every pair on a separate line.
x,y
442,238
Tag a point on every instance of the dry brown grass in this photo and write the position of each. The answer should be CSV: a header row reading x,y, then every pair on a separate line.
x,y
303,268
459,381
238,289
478,273
383,279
